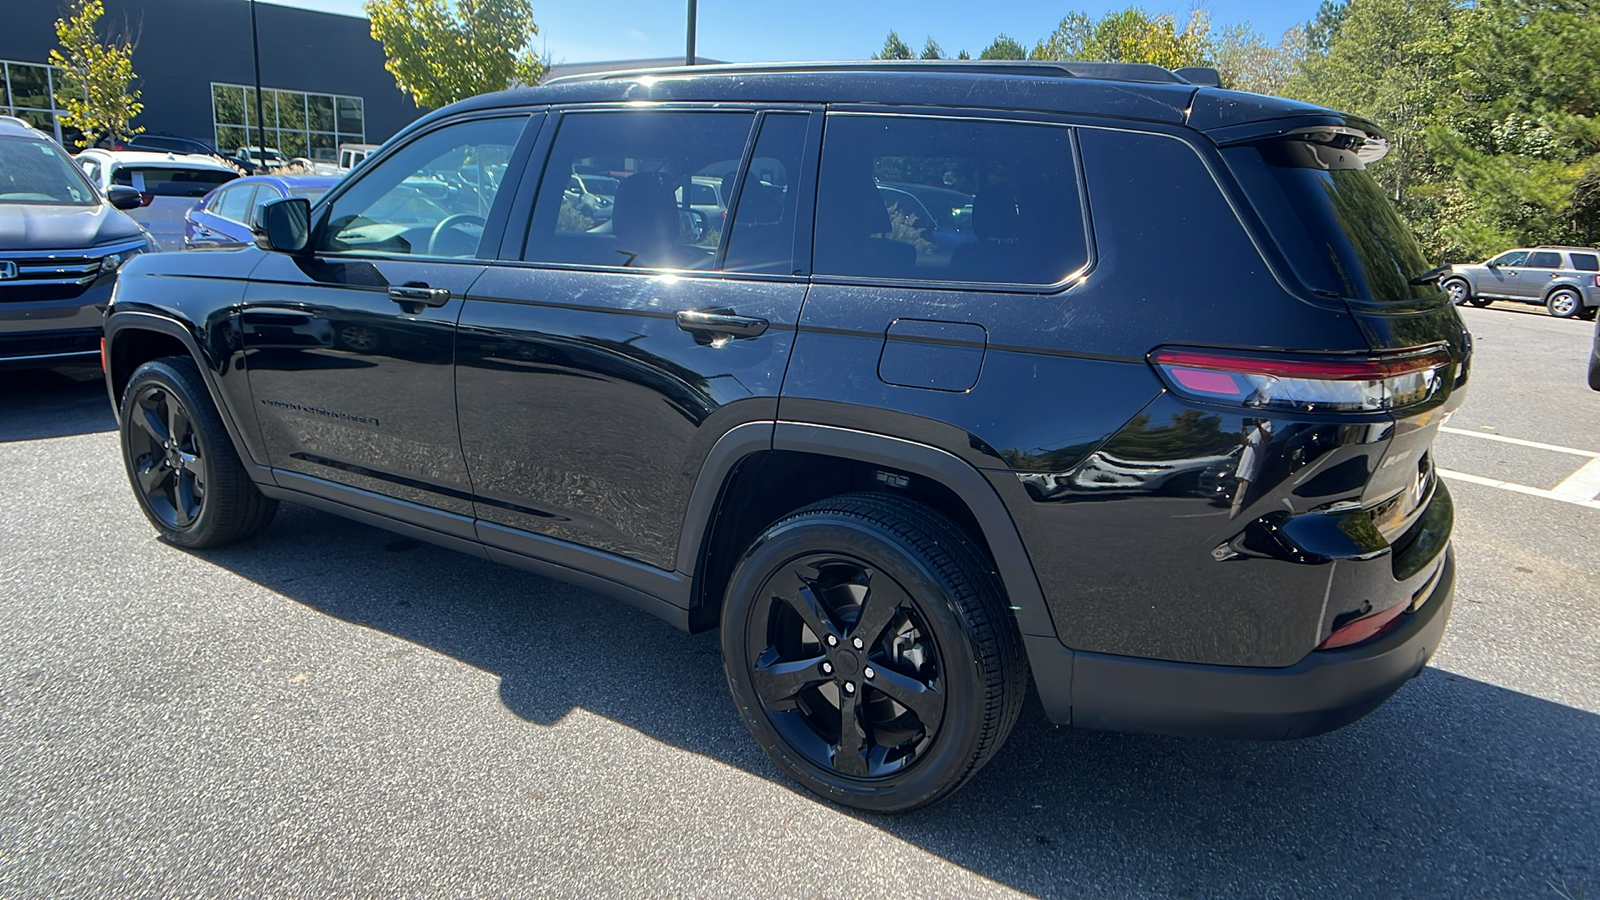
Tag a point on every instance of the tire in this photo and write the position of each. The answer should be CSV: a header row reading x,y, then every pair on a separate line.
x,y
935,687
1480,302
1564,303
1460,292
1588,313
181,463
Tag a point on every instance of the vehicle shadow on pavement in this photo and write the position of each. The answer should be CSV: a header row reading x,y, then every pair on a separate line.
x,y
1455,787
51,403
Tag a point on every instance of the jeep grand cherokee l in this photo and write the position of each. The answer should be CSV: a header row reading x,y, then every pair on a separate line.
x,y
1158,435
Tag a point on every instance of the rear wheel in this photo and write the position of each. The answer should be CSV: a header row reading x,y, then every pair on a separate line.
x,y
1564,303
182,465
870,652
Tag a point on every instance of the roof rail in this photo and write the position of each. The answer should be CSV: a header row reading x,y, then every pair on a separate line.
x,y
1102,71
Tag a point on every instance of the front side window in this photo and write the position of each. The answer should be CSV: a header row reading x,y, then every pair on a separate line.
x,y
1512,258
632,169
948,200
34,171
1544,260
430,198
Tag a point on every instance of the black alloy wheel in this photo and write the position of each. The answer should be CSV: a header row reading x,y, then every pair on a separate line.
x,y
181,463
870,652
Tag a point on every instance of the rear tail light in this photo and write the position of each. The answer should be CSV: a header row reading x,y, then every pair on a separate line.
x,y
1597,281
1364,628
1306,384
144,199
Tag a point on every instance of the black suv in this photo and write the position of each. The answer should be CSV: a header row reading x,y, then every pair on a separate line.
x,y
1152,423
61,244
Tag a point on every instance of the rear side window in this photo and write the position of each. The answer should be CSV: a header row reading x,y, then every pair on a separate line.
x,y
1330,218
1586,262
635,169
948,200
170,182
761,233
1544,260
233,204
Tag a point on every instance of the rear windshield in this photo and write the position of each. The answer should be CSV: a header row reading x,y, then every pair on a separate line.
x,y
34,171
1331,219
170,181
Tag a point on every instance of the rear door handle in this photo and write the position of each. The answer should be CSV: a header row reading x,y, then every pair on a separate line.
x,y
413,297
719,322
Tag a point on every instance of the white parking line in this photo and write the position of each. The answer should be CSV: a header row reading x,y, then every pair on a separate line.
x,y
1522,488
1520,442
1584,483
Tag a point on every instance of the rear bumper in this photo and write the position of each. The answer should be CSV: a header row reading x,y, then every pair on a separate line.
x,y
1326,690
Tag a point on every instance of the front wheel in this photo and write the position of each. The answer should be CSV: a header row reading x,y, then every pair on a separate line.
x,y
182,465
1564,303
1458,290
870,652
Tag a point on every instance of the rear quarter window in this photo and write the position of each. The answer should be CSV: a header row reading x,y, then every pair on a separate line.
x,y
1586,262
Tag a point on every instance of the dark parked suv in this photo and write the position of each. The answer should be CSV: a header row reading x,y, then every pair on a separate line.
x,y
1156,432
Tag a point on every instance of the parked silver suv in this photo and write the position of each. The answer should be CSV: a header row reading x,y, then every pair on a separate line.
x,y
1565,279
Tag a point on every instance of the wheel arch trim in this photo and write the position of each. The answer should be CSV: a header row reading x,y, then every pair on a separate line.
x,y
136,320
1014,566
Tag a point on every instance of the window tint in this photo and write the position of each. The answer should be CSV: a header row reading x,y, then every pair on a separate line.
x,y
431,198
34,171
1544,260
632,213
170,182
948,199
1586,262
1512,258
233,204
762,237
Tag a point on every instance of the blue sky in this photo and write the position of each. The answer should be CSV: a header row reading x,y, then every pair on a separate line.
x,y
754,30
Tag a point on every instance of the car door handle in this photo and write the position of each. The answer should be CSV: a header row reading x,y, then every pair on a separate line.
x,y
413,297
719,322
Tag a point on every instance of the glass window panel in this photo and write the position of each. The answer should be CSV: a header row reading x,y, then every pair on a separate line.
x,y
324,147
948,199
227,104
292,110
430,198
39,118
1586,262
763,223
614,187
292,143
322,113
351,120
30,85
1544,260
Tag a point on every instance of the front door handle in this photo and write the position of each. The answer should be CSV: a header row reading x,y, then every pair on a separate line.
x,y
413,296
710,325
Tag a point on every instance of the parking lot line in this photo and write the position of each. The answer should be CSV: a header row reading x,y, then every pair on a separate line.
x,y
1522,488
1584,483
1557,448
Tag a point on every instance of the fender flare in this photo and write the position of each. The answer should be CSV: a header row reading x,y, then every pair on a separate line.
x,y
1012,563
137,320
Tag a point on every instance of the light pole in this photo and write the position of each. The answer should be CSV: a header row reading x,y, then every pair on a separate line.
x,y
261,123
688,53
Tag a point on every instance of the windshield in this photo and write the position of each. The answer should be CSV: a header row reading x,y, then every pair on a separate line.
x,y
1331,219
34,171
600,184
312,194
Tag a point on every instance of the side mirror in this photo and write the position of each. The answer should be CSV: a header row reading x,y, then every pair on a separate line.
x,y
284,225
124,197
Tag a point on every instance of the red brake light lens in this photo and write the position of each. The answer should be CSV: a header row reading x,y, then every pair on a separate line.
x,y
1364,628
1366,384
144,199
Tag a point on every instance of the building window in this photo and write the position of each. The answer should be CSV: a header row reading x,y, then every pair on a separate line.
x,y
297,123
27,91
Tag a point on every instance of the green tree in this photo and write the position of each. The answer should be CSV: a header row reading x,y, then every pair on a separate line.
x,y
441,51
1003,48
1132,35
893,48
963,55
1322,29
1246,62
932,50
95,81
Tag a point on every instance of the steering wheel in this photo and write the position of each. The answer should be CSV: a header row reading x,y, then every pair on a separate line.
x,y
447,223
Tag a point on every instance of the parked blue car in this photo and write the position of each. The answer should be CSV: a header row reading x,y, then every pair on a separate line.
x,y
223,216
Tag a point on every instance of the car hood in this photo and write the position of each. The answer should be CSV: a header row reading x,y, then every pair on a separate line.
x,y
26,226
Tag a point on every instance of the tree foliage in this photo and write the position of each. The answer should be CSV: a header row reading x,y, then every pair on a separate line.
x,y
1004,47
1132,35
441,51
94,84
894,48
932,50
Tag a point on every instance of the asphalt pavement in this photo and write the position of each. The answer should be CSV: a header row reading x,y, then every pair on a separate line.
x,y
333,711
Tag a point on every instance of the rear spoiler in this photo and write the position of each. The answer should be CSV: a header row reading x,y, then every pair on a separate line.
x,y
1352,133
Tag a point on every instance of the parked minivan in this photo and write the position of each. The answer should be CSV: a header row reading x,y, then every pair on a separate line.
x,y
1155,434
